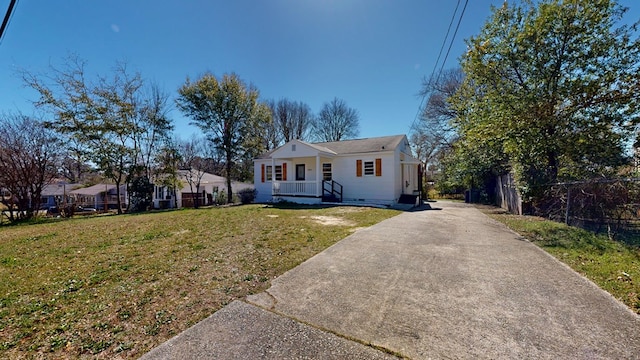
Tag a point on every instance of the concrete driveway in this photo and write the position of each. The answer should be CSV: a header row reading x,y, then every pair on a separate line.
x,y
439,284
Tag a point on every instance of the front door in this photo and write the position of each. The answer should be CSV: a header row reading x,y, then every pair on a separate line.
x,y
300,172
408,184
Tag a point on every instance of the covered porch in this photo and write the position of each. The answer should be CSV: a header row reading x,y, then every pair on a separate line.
x,y
306,177
299,171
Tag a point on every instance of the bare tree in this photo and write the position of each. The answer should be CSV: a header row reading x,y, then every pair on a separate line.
x,y
74,167
271,135
292,119
336,121
152,127
167,163
29,156
192,165
435,133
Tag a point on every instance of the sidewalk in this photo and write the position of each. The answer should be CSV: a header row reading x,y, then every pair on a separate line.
x,y
447,283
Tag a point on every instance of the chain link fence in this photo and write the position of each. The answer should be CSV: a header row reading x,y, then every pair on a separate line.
x,y
610,206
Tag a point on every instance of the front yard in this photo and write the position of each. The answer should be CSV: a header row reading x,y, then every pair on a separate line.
x,y
116,286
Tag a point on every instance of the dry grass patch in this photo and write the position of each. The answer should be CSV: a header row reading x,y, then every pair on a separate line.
x,y
115,287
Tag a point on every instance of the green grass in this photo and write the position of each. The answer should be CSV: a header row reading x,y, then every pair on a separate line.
x,y
613,266
117,286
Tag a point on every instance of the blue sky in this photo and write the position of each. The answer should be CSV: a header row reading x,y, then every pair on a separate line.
x,y
371,53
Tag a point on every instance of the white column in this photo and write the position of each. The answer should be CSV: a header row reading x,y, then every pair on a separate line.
x,y
318,177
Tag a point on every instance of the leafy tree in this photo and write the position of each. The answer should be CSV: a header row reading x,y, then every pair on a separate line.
x,y
336,121
228,112
29,159
140,191
109,121
552,85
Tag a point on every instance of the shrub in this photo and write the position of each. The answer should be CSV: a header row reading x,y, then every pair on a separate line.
x,y
247,195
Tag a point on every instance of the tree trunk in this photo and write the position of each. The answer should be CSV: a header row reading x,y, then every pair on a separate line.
x,y
229,190
118,202
552,167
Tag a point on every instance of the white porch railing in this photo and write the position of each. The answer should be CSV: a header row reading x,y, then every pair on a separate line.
x,y
295,188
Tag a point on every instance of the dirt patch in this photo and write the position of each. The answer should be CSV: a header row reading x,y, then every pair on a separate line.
x,y
273,216
331,220
349,209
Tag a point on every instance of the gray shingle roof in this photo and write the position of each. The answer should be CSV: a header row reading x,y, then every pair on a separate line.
x,y
357,146
354,146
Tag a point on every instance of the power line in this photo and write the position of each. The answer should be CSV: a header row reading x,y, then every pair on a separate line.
x,y
444,42
452,39
7,16
435,66
445,57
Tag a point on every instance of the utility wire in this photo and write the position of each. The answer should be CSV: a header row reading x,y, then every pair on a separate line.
x,y
452,39
435,66
7,16
444,42
437,78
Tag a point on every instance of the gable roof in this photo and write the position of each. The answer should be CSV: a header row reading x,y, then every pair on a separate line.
x,y
97,189
207,178
213,180
58,189
353,146
357,146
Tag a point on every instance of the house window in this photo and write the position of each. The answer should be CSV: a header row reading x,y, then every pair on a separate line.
x,y
278,172
299,172
269,173
293,147
368,168
326,172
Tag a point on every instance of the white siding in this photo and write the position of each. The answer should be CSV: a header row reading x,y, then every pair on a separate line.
x,y
301,150
397,174
263,188
367,189
309,168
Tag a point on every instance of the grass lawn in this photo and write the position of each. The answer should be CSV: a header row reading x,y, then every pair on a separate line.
x,y
613,266
116,286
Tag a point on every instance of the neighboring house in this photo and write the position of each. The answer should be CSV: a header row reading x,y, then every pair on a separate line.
x,y
375,171
210,187
99,197
56,194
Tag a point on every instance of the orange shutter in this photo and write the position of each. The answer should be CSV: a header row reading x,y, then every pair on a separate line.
x,y
262,172
378,167
284,171
358,168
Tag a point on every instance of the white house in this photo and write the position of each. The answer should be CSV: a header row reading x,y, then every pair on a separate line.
x,y
375,170
99,196
186,194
